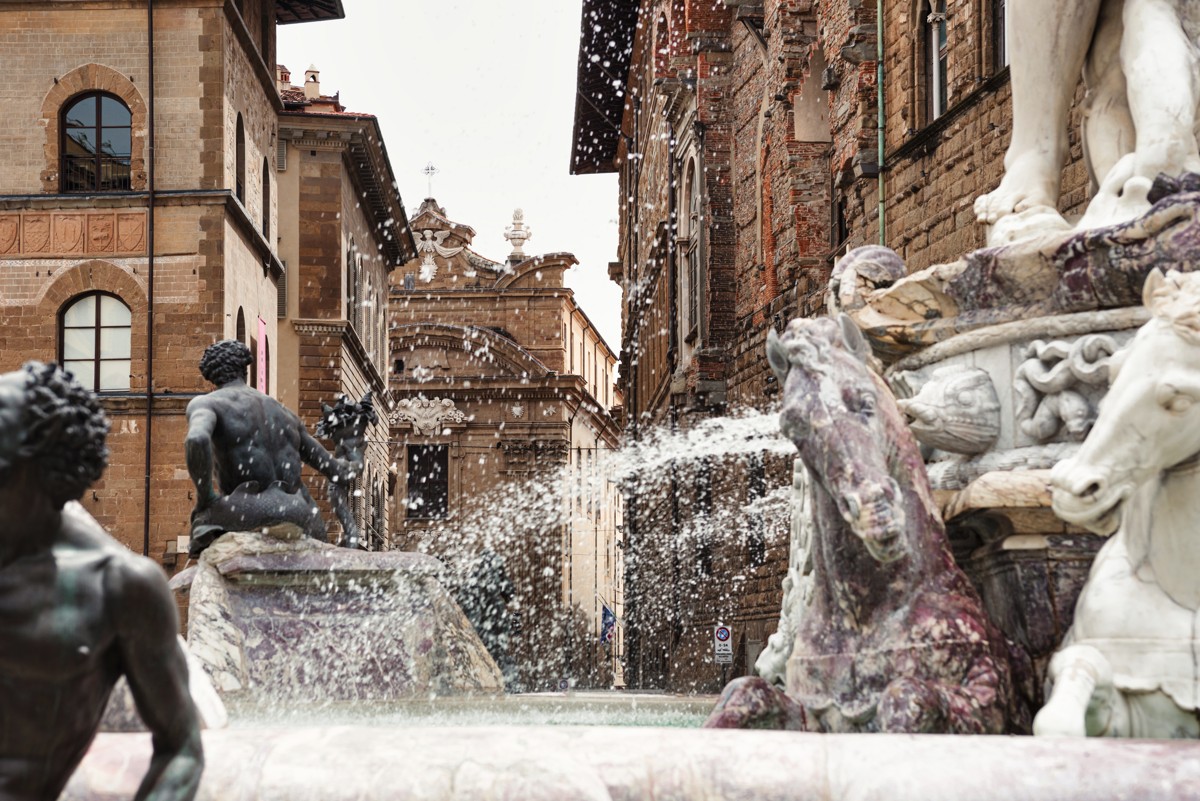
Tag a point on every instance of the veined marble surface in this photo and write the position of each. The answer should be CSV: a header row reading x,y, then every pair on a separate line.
x,y
359,763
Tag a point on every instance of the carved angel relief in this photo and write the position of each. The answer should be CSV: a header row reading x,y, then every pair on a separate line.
x,y
431,243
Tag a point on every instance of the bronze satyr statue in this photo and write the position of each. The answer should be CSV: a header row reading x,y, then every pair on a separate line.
x,y
345,423
257,447
77,610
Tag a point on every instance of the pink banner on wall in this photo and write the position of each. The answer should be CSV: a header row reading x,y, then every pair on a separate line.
x,y
263,349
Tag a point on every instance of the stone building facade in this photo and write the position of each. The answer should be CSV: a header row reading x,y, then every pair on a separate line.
x,y
502,436
342,230
748,141
125,260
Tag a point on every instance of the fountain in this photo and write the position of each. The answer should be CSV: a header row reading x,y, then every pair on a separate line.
x,y
363,752
1000,361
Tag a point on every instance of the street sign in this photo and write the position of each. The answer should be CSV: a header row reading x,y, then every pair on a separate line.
x,y
723,645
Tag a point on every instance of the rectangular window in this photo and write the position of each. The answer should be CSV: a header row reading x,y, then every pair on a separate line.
x,y
1000,34
428,481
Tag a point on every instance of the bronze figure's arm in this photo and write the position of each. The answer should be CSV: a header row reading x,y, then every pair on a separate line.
x,y
157,672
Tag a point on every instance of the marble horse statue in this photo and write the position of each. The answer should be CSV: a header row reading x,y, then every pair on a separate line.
x,y
892,636
1128,666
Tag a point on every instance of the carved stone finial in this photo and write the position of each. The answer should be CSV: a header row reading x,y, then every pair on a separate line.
x,y
518,234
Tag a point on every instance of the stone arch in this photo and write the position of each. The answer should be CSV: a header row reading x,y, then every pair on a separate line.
x,y
91,276
506,357
93,78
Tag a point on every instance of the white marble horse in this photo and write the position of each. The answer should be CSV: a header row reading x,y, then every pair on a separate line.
x,y
1130,665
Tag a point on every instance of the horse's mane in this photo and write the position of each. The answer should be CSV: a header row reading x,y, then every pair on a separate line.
x,y
1177,303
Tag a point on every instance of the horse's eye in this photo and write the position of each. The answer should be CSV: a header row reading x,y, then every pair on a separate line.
x,y
860,402
1179,403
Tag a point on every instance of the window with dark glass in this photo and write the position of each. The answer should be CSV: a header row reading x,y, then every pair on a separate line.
x,y
94,342
239,161
266,200
96,144
428,481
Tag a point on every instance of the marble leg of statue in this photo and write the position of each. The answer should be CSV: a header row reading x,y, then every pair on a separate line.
x,y
1079,674
1048,42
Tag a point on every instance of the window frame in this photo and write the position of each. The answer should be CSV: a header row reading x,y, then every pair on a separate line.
x,y
93,383
98,159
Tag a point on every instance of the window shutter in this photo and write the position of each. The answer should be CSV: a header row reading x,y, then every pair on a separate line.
x,y
281,296
281,155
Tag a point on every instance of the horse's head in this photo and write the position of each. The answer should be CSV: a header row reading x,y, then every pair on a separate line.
x,y
1150,419
831,410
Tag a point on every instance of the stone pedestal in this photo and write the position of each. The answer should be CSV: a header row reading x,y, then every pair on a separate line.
x,y
303,622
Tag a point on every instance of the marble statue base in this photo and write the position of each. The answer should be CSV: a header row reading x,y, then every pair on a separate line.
x,y
540,763
304,622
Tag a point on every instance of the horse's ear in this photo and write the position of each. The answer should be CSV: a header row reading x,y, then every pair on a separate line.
x,y
855,342
1154,282
777,355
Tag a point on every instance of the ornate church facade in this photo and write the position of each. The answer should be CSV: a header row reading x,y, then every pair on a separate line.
x,y
503,436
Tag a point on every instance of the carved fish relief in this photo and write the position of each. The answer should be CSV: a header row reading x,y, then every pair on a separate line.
x,y
956,409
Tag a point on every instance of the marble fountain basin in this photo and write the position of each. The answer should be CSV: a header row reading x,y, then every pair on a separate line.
x,y
531,763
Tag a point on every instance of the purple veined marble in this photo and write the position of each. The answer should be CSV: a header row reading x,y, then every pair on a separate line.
x,y
893,636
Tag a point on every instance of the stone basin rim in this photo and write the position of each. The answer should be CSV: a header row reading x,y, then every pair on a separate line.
x,y
596,763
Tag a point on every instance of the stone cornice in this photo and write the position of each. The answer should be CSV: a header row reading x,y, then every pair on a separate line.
x,y
366,159
343,329
135,403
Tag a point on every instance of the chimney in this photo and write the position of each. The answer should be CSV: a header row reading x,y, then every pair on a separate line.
x,y
312,83
283,77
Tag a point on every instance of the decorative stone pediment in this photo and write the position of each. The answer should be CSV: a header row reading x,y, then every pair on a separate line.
x,y
428,416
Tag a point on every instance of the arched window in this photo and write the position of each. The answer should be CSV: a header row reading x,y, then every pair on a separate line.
x,y
266,201
240,335
95,144
936,57
94,341
239,167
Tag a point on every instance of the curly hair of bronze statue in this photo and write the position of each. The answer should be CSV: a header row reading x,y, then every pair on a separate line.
x,y
64,432
225,361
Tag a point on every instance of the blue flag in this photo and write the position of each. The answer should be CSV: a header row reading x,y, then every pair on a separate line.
x,y
608,624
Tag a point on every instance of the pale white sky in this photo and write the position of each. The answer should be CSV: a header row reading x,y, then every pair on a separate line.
x,y
486,91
